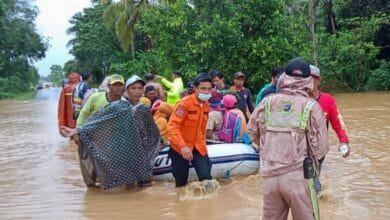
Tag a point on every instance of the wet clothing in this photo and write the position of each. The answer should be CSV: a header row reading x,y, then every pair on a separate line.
x,y
332,114
187,127
65,108
96,102
175,88
279,125
267,90
122,144
245,101
286,190
202,165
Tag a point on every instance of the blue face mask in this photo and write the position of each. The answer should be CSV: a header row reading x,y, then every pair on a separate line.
x,y
204,96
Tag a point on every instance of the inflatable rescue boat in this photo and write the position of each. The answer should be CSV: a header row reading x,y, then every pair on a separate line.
x,y
227,159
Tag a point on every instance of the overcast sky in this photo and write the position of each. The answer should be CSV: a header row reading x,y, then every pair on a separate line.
x,y
52,22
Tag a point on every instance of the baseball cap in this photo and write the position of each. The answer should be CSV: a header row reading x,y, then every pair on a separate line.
x,y
115,79
202,77
298,64
314,71
239,74
133,79
229,101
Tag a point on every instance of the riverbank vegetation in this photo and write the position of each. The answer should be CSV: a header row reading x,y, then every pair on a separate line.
x,y
349,40
20,47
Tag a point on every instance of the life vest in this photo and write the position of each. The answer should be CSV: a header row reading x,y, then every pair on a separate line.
x,y
287,119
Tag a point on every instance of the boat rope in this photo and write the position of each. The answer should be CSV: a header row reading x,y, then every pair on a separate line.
x,y
227,173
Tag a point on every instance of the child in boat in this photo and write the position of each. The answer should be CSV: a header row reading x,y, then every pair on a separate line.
x,y
216,119
161,113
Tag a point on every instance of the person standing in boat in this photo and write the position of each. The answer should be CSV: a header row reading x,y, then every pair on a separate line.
x,y
187,128
332,115
290,129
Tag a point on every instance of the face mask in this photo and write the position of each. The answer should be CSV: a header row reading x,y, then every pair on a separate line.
x,y
204,96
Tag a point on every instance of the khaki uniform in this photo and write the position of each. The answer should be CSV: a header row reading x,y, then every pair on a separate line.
x,y
279,126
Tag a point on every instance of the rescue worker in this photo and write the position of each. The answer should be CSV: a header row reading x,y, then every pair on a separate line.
x,y
332,115
281,126
187,128
175,87
65,108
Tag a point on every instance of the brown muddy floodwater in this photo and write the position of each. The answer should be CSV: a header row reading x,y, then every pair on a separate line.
x,y
40,177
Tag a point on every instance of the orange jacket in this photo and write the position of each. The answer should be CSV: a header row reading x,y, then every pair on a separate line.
x,y
65,108
187,125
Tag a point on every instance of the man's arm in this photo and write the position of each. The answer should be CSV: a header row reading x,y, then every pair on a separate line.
x,y
166,83
174,124
318,133
337,123
254,125
249,102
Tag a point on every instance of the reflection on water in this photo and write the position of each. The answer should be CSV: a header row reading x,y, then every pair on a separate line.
x,y
40,177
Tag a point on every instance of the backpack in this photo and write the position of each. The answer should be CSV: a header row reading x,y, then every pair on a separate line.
x,y
231,127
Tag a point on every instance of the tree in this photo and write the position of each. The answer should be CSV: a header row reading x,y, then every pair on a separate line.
x,y
56,75
94,46
125,15
20,45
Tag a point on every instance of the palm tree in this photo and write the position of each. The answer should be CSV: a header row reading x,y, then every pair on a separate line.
x,y
123,16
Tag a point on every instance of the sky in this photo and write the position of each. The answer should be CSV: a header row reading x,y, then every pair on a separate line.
x,y
52,22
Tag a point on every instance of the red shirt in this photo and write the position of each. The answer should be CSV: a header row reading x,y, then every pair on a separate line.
x,y
332,114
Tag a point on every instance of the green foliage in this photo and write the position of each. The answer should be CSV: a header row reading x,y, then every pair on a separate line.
x,y
229,35
380,78
20,46
348,58
253,37
94,46
56,75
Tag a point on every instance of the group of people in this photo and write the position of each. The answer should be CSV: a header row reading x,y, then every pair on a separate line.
x,y
288,126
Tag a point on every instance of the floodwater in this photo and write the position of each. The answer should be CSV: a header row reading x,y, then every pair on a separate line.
x,y
40,177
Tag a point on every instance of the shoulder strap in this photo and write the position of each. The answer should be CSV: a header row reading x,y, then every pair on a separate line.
x,y
305,114
267,111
